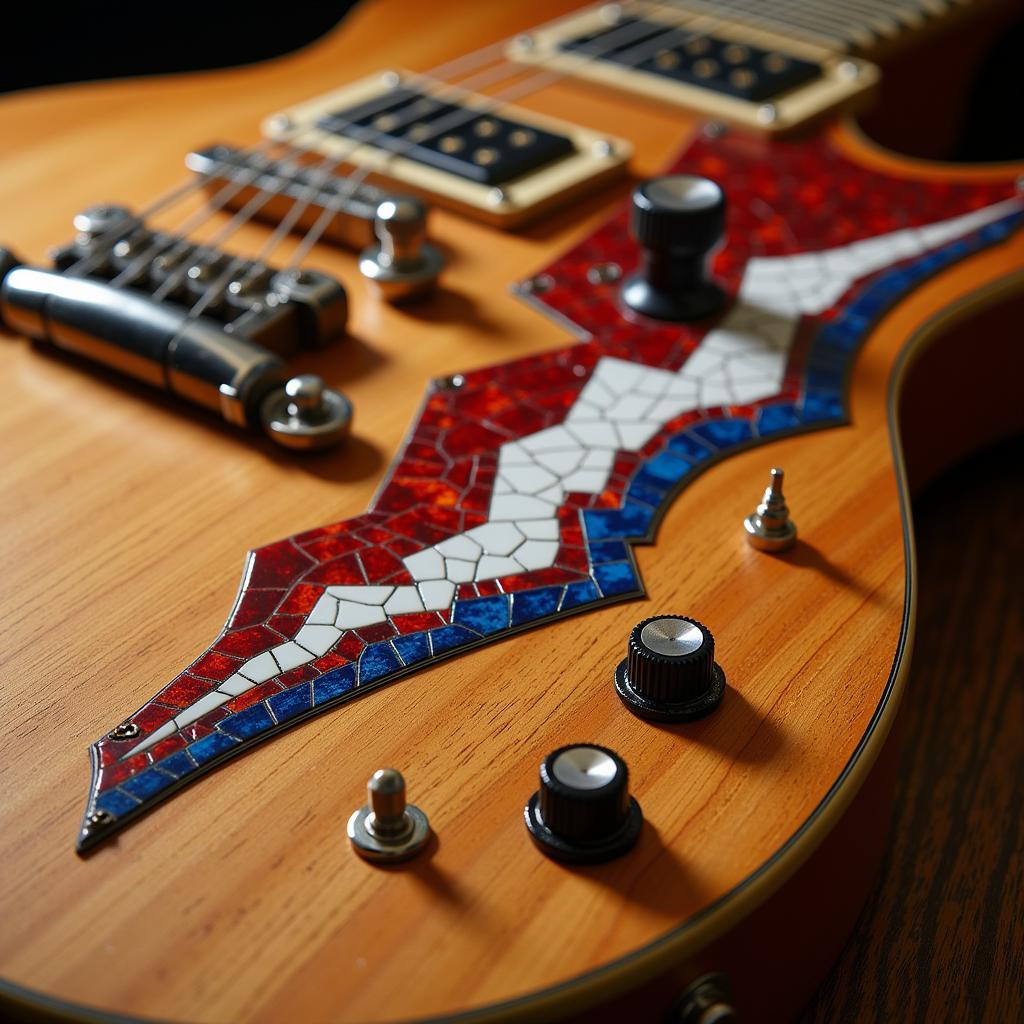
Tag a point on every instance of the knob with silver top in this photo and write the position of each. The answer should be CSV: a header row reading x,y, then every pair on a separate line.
x,y
404,266
583,811
669,673
387,829
676,220
306,414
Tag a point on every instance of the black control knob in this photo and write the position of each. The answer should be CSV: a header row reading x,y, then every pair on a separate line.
x,y
583,811
676,220
669,673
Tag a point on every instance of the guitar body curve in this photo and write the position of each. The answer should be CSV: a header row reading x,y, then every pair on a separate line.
x,y
240,898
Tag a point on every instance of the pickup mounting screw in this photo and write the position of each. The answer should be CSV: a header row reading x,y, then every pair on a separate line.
x,y
387,829
603,147
767,113
603,273
769,527
537,285
124,731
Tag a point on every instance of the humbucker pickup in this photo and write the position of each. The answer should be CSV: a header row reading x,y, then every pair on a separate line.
x,y
744,75
501,164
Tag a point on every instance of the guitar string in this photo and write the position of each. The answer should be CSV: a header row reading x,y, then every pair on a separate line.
x,y
265,194
299,205
89,262
631,58
352,181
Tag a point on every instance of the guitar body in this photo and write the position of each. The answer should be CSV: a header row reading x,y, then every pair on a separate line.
x,y
127,525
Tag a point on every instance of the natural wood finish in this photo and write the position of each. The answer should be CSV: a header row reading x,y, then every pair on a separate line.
x,y
940,938
126,524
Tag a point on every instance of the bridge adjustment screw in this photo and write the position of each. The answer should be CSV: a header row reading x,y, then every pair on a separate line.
x,y
769,527
403,266
304,413
387,829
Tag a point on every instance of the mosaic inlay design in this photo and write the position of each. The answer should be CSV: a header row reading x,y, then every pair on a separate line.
x,y
518,495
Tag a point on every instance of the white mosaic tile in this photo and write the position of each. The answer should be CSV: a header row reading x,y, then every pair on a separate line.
x,y
497,538
551,439
425,565
528,479
403,601
630,408
537,554
261,668
318,640
636,435
236,684
560,463
437,594
325,611
596,435
539,529
352,615
460,571
460,546
587,481
291,655
513,507
490,567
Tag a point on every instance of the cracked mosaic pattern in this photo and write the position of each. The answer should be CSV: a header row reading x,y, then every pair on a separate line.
x,y
518,495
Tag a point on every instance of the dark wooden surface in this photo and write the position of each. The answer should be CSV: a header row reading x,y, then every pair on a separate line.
x,y
942,936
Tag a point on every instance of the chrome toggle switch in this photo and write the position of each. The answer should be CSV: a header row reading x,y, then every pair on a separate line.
x,y
769,527
387,829
404,266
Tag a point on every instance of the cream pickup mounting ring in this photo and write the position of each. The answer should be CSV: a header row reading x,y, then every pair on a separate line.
x,y
500,164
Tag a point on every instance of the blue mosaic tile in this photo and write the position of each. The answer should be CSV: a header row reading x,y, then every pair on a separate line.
x,y
290,703
644,492
607,551
485,614
632,520
147,783
412,648
694,450
773,418
616,578
377,660
528,605
666,467
116,803
447,638
584,592
178,764
723,433
249,722
210,746
817,407
333,684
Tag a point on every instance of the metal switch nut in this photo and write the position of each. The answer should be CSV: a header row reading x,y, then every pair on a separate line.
x,y
387,829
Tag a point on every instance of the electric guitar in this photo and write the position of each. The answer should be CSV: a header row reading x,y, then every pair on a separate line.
x,y
488,332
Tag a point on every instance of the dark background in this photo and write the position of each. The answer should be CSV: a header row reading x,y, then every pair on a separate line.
x,y
47,45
